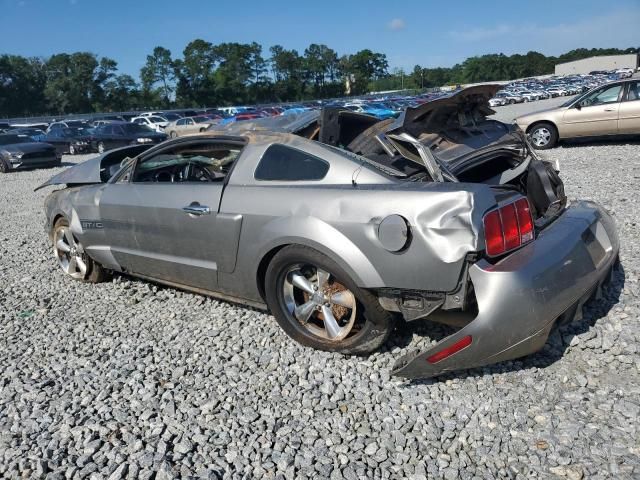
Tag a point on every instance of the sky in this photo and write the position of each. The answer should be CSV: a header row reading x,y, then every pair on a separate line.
x,y
424,32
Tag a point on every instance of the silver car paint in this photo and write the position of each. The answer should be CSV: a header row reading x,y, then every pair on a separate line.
x,y
333,215
519,298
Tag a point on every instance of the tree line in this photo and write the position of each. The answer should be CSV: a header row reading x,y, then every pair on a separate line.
x,y
223,74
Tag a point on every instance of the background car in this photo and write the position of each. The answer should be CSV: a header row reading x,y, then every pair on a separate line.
x,y
114,135
69,140
20,151
612,109
154,122
68,124
185,126
28,131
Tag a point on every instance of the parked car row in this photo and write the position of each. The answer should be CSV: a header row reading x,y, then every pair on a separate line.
x,y
102,133
533,89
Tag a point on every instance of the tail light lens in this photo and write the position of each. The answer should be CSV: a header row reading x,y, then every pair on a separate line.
x,y
508,227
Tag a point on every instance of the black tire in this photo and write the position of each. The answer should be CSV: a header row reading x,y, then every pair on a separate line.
x,y
101,147
512,101
173,134
366,143
374,324
72,150
4,168
95,272
538,131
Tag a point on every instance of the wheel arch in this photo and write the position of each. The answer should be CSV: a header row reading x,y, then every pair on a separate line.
x,y
322,237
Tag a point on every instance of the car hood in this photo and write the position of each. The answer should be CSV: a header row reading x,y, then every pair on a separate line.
x,y
27,147
94,170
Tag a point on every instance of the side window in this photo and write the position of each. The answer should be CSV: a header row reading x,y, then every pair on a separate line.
x,y
181,122
195,162
138,121
189,121
602,96
283,163
634,91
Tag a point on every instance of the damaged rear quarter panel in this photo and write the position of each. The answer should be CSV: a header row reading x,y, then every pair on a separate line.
x,y
445,221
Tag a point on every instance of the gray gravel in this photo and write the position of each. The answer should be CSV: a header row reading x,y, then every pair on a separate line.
x,y
130,380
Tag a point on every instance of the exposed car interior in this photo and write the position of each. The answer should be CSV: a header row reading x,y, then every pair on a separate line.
x,y
203,162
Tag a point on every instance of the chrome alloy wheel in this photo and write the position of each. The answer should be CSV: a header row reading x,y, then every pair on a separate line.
x,y
321,304
541,137
69,253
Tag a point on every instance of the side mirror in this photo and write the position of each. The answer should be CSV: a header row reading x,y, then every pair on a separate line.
x,y
578,106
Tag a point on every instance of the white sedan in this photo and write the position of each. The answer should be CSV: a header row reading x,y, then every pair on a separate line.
x,y
154,122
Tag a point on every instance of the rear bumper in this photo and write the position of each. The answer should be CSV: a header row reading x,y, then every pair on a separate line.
x,y
521,297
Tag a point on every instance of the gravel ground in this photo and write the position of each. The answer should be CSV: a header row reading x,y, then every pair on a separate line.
x,y
130,380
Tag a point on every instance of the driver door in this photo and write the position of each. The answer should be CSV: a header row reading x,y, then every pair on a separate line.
x,y
163,221
596,114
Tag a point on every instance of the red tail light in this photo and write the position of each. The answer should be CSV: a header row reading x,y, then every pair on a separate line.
x,y
508,227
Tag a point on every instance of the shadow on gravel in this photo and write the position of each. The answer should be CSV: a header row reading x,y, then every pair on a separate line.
x,y
557,344
601,141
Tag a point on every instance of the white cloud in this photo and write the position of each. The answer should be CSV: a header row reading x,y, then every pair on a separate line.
x,y
617,29
397,24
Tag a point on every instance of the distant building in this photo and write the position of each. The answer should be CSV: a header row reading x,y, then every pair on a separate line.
x,y
605,62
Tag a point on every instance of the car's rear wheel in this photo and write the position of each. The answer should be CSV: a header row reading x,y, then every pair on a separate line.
x,y
72,150
543,136
101,148
317,304
71,256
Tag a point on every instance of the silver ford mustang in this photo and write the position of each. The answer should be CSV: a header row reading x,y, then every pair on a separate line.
x,y
340,224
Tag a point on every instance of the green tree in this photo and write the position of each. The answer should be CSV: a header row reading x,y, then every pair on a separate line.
x,y
71,82
22,84
158,70
121,93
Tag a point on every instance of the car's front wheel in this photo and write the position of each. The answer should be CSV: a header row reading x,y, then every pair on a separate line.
x,y
320,306
101,148
543,136
4,168
71,256
173,134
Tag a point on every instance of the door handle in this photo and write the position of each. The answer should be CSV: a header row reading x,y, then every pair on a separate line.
x,y
197,210
609,109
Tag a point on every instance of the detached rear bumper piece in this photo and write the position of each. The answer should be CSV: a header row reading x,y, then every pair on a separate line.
x,y
521,297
